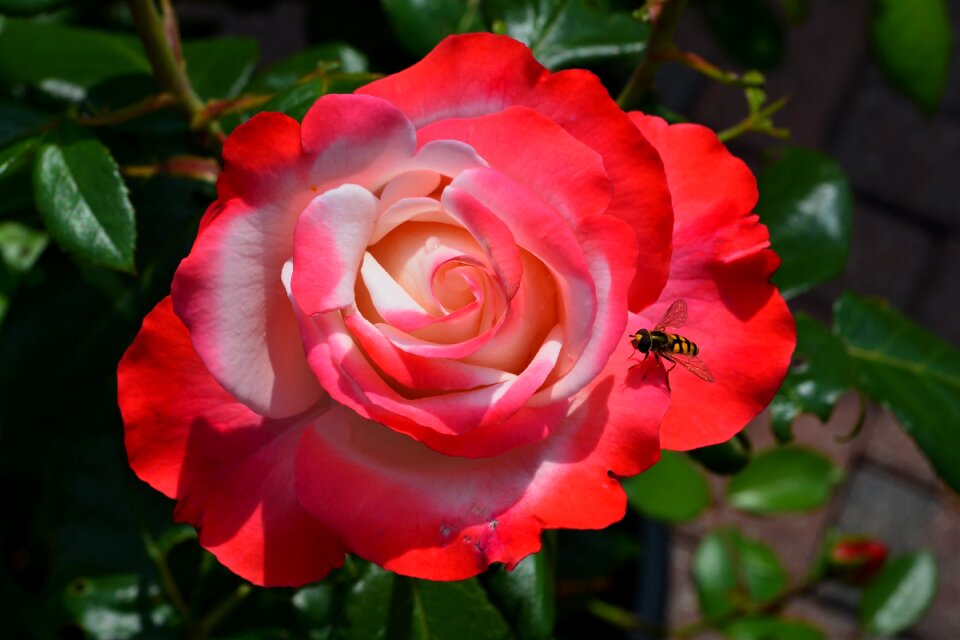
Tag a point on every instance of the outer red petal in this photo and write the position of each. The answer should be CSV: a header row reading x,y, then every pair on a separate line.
x,y
478,74
420,513
721,266
230,469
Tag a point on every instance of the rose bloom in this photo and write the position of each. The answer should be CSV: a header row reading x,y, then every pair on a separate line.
x,y
403,328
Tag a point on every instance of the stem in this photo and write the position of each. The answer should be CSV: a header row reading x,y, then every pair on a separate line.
x,y
703,66
161,43
166,577
213,618
758,121
700,626
128,113
665,15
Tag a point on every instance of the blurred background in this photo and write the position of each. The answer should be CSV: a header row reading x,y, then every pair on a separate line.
x,y
74,509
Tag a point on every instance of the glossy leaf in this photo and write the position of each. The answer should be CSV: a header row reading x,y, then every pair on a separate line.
x,y
748,29
525,596
20,247
570,33
898,597
673,490
118,607
912,42
288,71
220,67
807,204
762,628
454,610
732,572
821,373
83,201
385,605
909,370
421,24
783,480
315,604
65,61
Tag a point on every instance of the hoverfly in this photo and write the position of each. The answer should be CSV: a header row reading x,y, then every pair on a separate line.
x,y
671,346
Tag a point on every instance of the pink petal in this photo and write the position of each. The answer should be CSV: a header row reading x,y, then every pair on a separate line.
x,y
570,177
330,240
229,295
355,139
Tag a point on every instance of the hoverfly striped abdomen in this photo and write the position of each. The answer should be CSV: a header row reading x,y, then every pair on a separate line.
x,y
678,344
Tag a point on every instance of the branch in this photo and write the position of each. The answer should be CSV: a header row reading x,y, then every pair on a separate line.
x,y
664,16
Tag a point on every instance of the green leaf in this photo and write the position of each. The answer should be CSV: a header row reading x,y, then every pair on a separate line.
x,y
821,373
19,121
673,490
912,372
732,572
286,72
20,247
784,479
384,605
16,189
761,628
748,29
220,67
315,605
65,61
571,33
724,458
525,595
118,607
912,42
900,594
421,24
83,201
806,202
454,610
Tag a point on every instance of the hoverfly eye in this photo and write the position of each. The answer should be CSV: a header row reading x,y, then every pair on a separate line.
x,y
643,345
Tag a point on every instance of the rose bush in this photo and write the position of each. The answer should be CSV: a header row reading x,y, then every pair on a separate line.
x,y
402,330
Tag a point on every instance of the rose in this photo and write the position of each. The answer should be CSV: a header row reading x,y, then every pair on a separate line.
x,y
402,330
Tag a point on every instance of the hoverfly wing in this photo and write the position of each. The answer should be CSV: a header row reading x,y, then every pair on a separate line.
x,y
694,365
676,315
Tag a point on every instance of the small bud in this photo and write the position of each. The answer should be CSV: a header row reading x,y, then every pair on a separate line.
x,y
856,559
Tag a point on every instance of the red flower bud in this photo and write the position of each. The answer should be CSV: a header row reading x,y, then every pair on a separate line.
x,y
856,559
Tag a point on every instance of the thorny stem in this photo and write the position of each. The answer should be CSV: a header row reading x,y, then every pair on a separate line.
x,y
161,42
665,16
